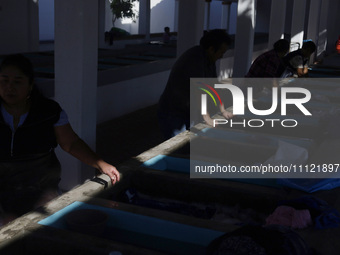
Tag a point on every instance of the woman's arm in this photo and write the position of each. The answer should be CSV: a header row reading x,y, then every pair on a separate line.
x,y
301,72
70,142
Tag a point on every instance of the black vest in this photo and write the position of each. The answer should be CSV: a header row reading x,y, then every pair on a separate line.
x,y
35,136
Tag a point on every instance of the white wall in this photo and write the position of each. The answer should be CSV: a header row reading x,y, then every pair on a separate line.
x,y
124,97
162,15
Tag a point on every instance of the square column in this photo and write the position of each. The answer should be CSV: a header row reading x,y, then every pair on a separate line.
x,y
313,23
176,16
33,25
76,54
101,23
298,21
277,21
19,26
244,38
323,31
144,18
207,14
332,25
190,24
225,15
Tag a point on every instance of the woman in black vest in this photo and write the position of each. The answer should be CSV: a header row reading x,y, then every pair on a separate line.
x,y
31,127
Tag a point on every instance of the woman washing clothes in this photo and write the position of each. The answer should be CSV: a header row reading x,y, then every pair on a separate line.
x,y
31,127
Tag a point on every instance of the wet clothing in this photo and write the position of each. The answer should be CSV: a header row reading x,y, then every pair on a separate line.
x,y
28,164
267,65
174,104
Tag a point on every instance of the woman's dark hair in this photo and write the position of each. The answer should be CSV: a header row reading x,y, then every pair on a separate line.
x,y
215,38
21,62
24,65
309,45
281,45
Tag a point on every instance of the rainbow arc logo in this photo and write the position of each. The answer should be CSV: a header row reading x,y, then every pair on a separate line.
x,y
209,93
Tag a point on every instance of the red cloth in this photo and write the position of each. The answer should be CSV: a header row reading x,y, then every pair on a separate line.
x,y
338,45
290,217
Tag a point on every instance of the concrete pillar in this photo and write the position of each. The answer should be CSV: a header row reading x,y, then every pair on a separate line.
x,y
228,20
277,21
144,18
207,14
19,26
101,23
244,37
108,16
322,32
76,54
313,23
33,26
225,19
298,20
176,16
190,24
333,19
